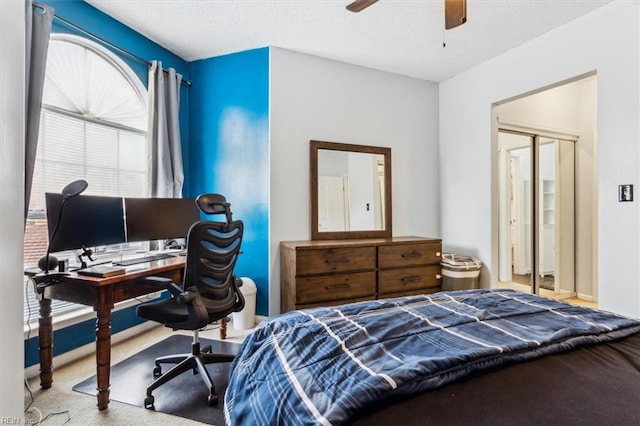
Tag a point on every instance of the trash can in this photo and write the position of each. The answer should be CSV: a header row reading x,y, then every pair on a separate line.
x,y
459,272
246,318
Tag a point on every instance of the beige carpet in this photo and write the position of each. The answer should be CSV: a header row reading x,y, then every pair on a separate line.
x,y
80,409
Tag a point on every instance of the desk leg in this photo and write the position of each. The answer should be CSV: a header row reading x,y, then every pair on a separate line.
x,y
223,328
103,355
45,339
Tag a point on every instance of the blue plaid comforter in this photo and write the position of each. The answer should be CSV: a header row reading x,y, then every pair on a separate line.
x,y
322,365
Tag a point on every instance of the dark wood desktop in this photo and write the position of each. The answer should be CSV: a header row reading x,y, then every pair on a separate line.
x,y
102,294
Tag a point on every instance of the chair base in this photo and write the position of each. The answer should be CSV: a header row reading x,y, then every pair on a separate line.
x,y
196,361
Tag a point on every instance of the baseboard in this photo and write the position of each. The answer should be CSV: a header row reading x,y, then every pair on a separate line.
x,y
90,348
586,297
81,314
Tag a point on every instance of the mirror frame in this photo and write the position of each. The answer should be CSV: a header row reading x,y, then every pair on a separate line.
x,y
340,235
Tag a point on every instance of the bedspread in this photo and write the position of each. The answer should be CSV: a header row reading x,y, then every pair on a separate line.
x,y
323,365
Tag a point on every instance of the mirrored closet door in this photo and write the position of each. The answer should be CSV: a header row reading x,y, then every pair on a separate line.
x,y
536,214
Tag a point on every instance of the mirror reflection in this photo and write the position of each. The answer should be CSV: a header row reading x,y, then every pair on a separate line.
x,y
350,191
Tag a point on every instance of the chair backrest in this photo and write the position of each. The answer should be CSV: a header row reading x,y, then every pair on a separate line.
x,y
212,252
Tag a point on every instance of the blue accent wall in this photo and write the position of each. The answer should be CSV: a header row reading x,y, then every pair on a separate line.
x,y
229,150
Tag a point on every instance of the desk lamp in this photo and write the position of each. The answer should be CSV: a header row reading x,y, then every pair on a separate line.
x,y
49,262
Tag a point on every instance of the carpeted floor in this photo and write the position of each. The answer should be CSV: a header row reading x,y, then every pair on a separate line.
x,y
184,396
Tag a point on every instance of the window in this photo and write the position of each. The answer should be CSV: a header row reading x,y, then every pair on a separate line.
x,y
93,126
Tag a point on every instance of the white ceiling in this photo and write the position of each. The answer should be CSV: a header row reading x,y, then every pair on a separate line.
x,y
398,36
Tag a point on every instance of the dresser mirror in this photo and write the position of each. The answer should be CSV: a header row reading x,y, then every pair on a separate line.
x,y
350,191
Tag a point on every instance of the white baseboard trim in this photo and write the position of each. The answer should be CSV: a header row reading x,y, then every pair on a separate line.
x,y
84,313
89,348
586,297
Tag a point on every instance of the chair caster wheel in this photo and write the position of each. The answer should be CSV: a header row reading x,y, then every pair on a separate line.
x,y
212,399
148,403
157,371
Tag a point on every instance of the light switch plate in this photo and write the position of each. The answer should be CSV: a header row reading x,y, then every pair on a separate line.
x,y
625,192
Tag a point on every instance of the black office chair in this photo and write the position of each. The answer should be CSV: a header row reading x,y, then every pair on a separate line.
x,y
210,291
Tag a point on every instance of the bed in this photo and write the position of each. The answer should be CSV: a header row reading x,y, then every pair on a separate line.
x,y
461,357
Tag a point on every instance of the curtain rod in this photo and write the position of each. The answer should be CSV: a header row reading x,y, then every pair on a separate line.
x,y
113,46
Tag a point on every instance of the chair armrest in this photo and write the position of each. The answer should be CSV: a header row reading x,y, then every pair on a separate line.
x,y
164,283
190,298
182,296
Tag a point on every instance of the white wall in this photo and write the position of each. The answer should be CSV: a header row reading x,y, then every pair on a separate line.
x,y
315,98
605,40
12,25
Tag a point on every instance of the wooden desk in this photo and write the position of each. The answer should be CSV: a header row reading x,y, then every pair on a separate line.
x,y
102,294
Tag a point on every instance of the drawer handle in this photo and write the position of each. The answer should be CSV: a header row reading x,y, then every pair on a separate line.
x,y
336,287
410,279
341,260
437,254
438,276
411,255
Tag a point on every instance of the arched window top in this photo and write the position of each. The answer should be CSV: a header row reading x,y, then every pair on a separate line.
x,y
86,79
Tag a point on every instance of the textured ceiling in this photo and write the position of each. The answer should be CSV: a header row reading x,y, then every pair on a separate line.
x,y
398,36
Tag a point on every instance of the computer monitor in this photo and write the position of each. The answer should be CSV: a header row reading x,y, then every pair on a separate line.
x,y
87,220
149,219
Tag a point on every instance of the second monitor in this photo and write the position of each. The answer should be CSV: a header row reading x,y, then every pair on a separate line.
x,y
150,219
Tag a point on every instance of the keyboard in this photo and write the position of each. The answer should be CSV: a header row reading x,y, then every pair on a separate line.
x,y
143,259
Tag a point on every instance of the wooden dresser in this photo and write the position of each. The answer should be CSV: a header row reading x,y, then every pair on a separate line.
x,y
324,273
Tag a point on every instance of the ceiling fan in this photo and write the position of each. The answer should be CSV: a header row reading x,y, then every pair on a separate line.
x,y
455,11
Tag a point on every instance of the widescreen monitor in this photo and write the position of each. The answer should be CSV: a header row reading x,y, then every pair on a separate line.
x,y
149,219
87,221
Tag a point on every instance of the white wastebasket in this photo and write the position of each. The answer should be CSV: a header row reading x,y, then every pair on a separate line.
x,y
246,318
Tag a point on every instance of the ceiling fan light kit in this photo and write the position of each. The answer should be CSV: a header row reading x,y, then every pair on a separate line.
x,y
455,11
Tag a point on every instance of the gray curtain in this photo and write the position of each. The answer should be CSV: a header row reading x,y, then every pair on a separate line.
x,y
166,152
38,28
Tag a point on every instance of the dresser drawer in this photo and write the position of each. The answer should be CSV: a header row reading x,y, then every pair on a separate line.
x,y
403,255
408,279
323,261
310,290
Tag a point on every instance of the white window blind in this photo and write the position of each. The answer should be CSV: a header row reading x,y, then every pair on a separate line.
x,y
112,160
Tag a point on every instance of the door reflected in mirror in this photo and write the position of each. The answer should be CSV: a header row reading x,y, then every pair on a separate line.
x,y
351,191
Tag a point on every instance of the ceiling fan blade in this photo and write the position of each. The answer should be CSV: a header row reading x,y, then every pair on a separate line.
x,y
455,13
359,5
